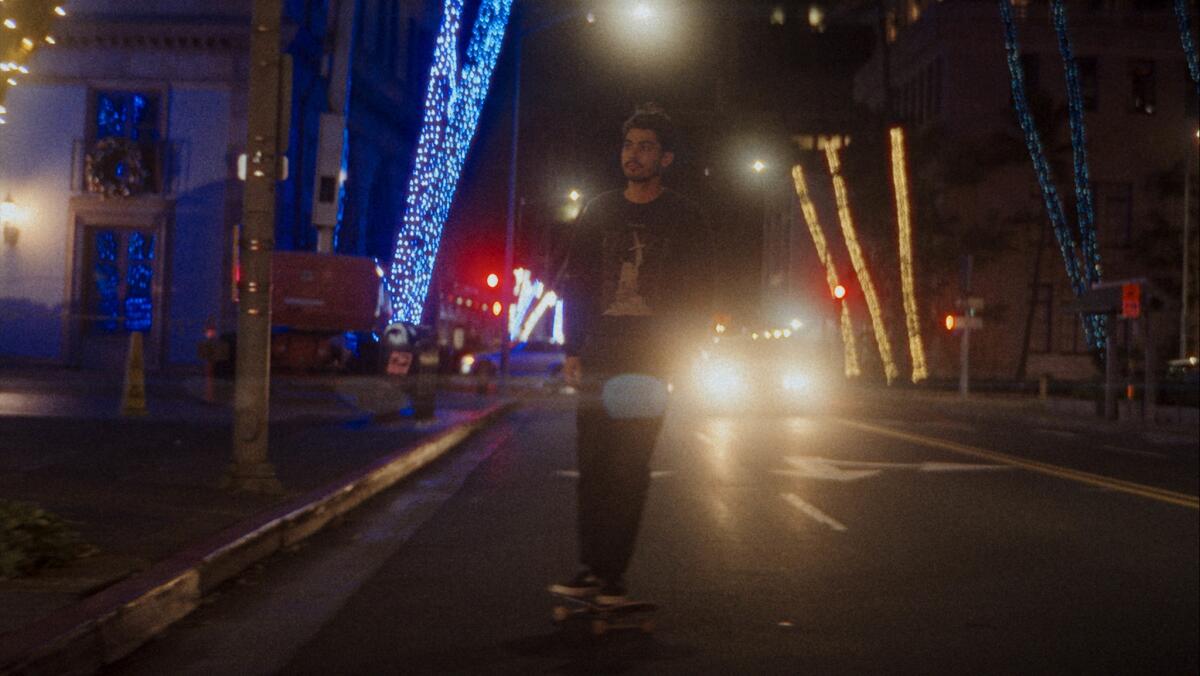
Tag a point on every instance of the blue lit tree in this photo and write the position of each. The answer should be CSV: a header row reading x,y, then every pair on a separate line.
x,y
452,105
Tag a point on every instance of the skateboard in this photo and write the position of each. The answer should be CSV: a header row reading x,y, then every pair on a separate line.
x,y
602,619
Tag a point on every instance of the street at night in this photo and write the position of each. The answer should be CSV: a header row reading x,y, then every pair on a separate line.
x,y
848,543
599,336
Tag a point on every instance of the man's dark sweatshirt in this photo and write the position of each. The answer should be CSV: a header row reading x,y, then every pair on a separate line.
x,y
638,284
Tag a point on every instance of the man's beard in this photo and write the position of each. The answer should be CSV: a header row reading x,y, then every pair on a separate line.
x,y
640,177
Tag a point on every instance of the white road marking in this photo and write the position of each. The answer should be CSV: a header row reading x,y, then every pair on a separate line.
x,y
1133,451
832,470
654,474
1066,434
812,512
949,425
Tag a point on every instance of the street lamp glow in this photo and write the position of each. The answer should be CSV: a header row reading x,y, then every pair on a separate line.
x,y
796,324
643,11
574,195
758,166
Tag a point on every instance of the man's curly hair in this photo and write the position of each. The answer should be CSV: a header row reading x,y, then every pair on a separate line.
x,y
652,116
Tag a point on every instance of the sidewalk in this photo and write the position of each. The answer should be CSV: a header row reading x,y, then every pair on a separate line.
x,y
145,491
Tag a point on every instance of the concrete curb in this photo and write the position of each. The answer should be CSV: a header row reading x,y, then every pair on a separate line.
x,y
111,624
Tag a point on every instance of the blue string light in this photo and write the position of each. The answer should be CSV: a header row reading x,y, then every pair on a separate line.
x,y
1093,327
453,103
1084,206
1189,45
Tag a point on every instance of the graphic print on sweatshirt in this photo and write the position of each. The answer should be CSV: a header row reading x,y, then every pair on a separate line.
x,y
636,250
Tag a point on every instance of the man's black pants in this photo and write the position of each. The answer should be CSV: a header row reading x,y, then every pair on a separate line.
x,y
614,478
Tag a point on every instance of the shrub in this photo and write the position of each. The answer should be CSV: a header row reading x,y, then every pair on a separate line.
x,y
32,538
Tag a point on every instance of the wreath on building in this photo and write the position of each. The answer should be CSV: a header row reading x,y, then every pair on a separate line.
x,y
115,168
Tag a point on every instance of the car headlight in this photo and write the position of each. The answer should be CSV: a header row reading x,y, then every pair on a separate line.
x,y
796,382
720,380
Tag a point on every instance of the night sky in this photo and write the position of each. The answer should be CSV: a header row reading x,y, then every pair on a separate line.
x,y
736,85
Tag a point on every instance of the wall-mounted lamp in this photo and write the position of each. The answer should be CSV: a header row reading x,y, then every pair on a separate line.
x,y
8,218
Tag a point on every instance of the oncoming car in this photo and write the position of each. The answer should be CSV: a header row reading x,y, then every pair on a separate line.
x,y
779,372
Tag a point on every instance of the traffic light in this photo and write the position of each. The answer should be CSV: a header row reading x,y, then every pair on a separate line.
x,y
493,280
950,322
839,292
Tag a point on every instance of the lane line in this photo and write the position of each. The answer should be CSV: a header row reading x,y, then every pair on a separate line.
x,y
1133,451
812,512
1065,434
1152,492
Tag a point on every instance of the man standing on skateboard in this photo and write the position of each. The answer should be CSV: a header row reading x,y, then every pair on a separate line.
x,y
638,291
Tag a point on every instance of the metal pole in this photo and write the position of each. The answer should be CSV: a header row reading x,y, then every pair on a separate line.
x,y
964,361
1187,217
1111,371
510,223
250,470
964,351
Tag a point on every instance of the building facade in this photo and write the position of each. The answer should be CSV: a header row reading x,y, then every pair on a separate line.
x,y
120,157
942,72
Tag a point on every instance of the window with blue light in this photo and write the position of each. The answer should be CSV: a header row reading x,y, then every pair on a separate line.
x,y
129,115
121,297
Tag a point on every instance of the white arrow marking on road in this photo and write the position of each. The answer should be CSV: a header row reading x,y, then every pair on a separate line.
x,y
817,468
831,470
812,512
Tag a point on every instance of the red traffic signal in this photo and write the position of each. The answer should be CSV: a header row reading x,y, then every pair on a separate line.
x,y
493,280
950,322
839,292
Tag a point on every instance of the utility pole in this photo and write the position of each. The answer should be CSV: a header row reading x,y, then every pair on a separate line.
x,y
250,471
1187,218
964,351
507,281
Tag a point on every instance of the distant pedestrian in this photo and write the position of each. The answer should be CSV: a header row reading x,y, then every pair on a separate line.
x,y
638,289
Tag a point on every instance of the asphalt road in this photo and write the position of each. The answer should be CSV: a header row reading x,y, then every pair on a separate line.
x,y
891,537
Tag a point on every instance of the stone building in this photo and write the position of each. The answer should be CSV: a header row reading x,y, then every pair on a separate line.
x,y
155,93
942,71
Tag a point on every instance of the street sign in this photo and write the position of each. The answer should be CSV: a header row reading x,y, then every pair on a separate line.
x,y
1131,300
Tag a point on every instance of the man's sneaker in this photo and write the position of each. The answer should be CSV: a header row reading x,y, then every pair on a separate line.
x,y
581,586
612,594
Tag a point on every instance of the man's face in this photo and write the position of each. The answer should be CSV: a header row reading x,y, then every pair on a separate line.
x,y
642,156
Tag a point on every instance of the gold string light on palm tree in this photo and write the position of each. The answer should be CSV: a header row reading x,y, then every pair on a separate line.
x,y
860,263
24,27
849,347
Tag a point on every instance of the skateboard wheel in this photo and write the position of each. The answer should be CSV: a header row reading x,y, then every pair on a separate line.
x,y
599,627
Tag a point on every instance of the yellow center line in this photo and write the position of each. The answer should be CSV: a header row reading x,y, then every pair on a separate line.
x,y
1152,492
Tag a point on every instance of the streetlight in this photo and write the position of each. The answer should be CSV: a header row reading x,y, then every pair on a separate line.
x,y
9,213
510,224
759,166
574,195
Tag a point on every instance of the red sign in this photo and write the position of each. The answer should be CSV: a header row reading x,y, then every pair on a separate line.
x,y
1131,301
